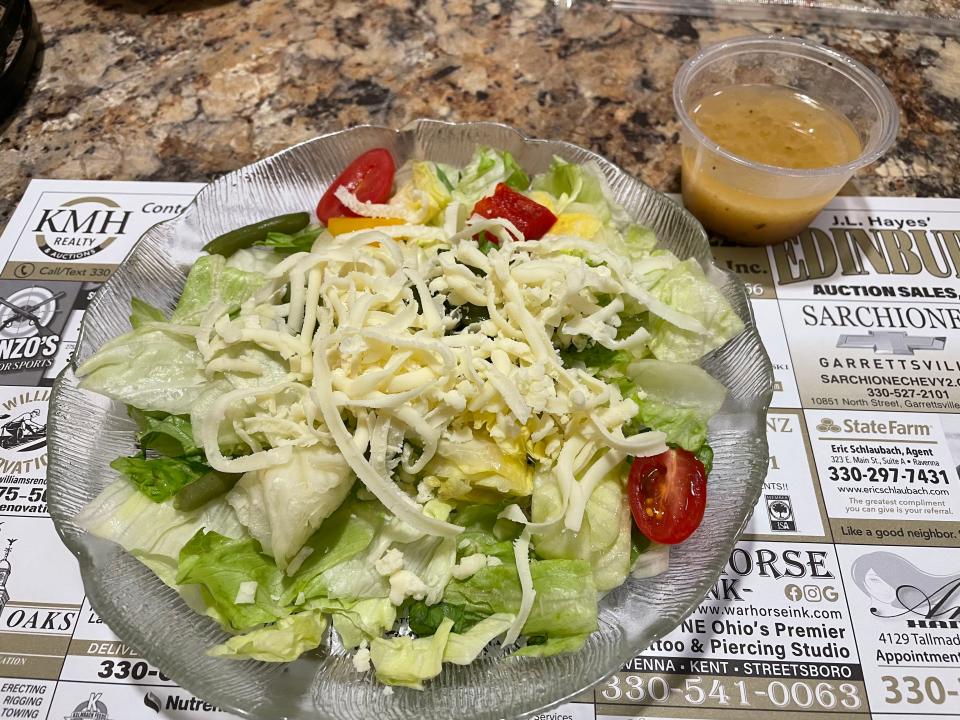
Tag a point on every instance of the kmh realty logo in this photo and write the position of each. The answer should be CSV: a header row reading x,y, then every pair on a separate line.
x,y
80,227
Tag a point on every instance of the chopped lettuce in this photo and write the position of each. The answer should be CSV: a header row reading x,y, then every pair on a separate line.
x,y
284,504
552,646
486,169
594,357
153,368
344,535
677,399
159,478
477,470
142,312
429,179
485,532
576,189
565,604
604,537
425,619
652,560
211,280
284,641
220,566
639,241
705,455
358,620
154,533
463,648
301,241
163,433
686,289
407,661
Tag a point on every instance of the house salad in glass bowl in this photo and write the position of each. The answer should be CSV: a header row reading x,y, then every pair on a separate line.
x,y
449,410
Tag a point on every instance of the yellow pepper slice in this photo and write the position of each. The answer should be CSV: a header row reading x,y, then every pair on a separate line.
x,y
340,225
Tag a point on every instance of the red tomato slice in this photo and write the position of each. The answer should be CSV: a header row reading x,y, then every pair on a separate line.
x,y
668,494
531,218
369,177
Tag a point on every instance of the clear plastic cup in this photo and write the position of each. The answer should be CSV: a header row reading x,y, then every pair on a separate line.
x,y
757,204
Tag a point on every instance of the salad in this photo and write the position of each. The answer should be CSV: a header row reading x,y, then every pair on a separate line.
x,y
459,408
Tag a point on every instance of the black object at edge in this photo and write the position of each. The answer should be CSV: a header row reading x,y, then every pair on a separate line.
x,y
14,78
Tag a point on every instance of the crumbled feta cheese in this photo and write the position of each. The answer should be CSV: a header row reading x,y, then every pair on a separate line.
x,y
387,690
246,593
469,566
361,658
404,584
389,563
455,400
424,492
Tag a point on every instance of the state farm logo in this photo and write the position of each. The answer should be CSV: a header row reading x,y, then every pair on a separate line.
x,y
899,589
80,227
828,425
873,428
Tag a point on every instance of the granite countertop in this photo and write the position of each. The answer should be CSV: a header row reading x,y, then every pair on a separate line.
x,y
189,89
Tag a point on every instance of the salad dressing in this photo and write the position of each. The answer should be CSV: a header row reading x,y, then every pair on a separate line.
x,y
772,125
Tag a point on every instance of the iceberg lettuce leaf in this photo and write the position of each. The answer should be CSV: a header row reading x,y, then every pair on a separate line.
x,y
486,169
604,537
212,280
677,399
565,604
358,620
220,566
142,312
166,434
159,478
685,288
151,368
284,641
284,504
407,661
347,533
153,532
553,646
463,648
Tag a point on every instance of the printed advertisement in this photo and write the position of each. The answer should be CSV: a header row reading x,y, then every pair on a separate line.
x,y
774,634
872,286
841,601
80,231
905,604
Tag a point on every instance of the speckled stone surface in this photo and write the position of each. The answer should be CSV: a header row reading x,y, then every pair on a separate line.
x,y
189,89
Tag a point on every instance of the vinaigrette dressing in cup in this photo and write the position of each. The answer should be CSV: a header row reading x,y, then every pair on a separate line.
x,y
771,129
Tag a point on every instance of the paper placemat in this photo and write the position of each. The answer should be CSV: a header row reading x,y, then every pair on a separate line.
x,y
842,600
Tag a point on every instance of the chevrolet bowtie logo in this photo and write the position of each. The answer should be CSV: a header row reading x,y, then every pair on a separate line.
x,y
891,343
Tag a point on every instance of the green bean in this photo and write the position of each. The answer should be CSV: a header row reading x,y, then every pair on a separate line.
x,y
204,489
228,243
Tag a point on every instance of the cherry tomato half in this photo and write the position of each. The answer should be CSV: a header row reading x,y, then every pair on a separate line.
x,y
531,218
369,177
668,494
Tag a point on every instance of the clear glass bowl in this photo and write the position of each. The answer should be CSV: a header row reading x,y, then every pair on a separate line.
x,y
86,431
